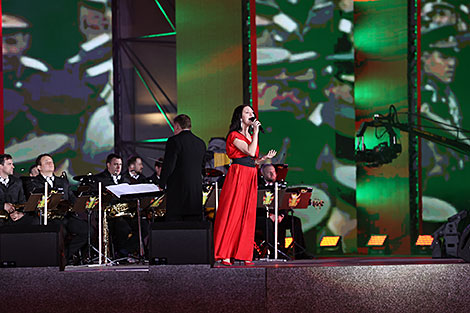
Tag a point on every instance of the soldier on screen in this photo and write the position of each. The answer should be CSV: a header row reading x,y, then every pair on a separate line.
x,y
442,167
93,66
435,14
439,63
76,102
17,69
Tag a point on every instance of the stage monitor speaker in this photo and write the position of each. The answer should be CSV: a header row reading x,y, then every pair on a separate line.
x,y
188,242
464,245
31,246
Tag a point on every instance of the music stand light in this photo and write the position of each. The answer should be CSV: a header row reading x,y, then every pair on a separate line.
x,y
288,242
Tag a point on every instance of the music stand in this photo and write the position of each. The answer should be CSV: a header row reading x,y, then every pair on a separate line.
x,y
154,204
136,192
28,206
52,201
213,198
87,204
266,200
295,198
281,171
33,201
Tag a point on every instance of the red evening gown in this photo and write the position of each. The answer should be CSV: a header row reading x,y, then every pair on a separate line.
x,y
234,227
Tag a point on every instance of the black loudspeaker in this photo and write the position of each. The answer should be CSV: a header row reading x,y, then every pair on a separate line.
x,y
188,242
464,245
32,246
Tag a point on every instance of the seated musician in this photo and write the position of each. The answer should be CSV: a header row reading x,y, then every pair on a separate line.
x,y
11,193
75,226
123,229
155,177
112,174
134,175
286,221
33,170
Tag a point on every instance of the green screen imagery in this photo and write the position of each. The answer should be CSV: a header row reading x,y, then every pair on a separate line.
x,y
305,62
58,94
445,59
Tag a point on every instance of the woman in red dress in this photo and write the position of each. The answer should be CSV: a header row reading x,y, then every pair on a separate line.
x,y
235,220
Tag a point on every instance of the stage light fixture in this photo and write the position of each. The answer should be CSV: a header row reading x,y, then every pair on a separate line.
x,y
377,240
423,245
329,241
424,240
378,245
331,245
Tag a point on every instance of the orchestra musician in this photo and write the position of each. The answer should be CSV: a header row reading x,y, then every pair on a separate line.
x,y
134,175
293,223
11,193
155,177
112,174
122,229
75,225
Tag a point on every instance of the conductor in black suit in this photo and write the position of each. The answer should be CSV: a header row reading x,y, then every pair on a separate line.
x,y
182,172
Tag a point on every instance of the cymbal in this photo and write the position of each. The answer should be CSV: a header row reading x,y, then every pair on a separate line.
x,y
212,172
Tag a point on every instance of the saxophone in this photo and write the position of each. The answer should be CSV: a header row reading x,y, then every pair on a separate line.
x,y
106,244
120,210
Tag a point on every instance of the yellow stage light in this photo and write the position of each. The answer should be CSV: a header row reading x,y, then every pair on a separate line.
x,y
424,240
376,240
329,241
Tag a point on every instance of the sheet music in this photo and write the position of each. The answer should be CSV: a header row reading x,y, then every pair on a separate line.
x,y
126,189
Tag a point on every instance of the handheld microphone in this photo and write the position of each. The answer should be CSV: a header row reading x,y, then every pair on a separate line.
x,y
260,127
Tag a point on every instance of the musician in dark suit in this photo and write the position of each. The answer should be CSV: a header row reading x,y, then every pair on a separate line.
x,y
182,172
123,229
112,174
11,192
286,221
134,175
46,167
155,177
76,227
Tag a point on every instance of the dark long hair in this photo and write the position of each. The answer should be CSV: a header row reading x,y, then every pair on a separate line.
x,y
235,124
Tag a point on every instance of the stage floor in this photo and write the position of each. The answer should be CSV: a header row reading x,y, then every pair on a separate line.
x,y
370,284
347,261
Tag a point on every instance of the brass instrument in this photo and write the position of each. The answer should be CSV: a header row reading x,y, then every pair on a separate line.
x,y
106,243
4,215
119,210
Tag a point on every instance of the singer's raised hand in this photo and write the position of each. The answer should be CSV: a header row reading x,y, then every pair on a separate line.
x,y
271,154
